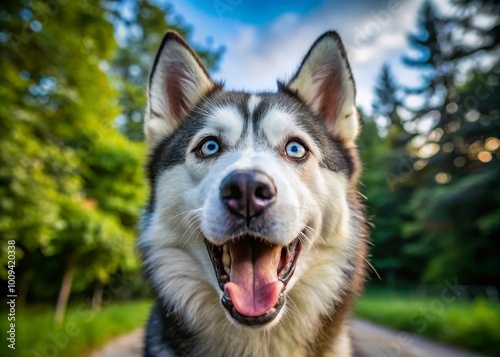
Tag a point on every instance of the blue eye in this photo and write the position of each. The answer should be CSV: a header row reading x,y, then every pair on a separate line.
x,y
295,150
209,148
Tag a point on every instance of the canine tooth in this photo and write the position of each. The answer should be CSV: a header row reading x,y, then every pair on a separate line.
x,y
226,259
225,248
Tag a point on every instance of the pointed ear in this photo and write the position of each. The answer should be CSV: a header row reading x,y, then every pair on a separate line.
x,y
177,82
324,81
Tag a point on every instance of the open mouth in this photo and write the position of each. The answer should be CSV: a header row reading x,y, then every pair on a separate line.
x,y
253,275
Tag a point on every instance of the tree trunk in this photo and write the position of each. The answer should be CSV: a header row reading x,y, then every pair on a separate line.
x,y
127,292
97,297
24,288
65,290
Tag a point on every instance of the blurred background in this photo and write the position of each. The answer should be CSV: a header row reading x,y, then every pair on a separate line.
x,y
72,95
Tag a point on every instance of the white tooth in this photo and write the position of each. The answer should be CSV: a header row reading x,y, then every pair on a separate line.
x,y
228,270
225,248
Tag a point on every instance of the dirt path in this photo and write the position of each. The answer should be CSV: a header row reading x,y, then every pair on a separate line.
x,y
370,340
129,345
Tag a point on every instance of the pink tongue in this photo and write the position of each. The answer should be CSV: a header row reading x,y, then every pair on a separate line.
x,y
254,288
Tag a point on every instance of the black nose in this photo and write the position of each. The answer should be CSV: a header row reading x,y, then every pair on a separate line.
x,y
247,193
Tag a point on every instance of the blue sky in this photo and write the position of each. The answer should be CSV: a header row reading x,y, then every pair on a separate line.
x,y
265,40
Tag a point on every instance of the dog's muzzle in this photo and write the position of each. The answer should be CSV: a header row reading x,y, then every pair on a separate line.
x,y
251,271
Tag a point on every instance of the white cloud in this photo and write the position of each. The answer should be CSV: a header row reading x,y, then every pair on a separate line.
x,y
257,56
374,33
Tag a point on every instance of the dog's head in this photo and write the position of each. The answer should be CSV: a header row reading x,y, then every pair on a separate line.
x,y
260,181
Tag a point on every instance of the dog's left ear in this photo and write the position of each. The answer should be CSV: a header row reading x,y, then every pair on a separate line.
x,y
177,83
324,81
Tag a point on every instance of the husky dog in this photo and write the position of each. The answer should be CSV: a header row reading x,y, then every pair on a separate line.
x,y
254,240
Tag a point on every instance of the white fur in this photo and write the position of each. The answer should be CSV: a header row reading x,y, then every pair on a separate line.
x,y
253,102
279,124
224,122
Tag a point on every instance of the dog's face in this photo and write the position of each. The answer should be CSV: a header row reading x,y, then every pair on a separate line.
x,y
246,188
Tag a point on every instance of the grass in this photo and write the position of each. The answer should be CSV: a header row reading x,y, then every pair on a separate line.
x,y
82,331
472,325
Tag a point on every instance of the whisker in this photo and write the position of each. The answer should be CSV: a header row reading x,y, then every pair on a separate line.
x,y
370,265
188,217
315,232
188,211
309,241
191,223
293,306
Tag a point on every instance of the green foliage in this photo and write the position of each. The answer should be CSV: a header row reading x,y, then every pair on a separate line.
x,y
375,186
143,28
83,330
472,325
387,166
72,186
52,104
440,218
455,206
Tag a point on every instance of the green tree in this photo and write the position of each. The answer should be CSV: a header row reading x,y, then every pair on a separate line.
x,y
71,185
141,29
387,102
456,198
387,166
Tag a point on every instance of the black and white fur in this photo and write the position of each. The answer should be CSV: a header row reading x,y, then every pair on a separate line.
x,y
317,201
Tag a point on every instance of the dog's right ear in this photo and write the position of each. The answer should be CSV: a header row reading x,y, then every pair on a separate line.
x,y
177,82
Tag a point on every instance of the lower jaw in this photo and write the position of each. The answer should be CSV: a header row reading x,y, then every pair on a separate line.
x,y
253,321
